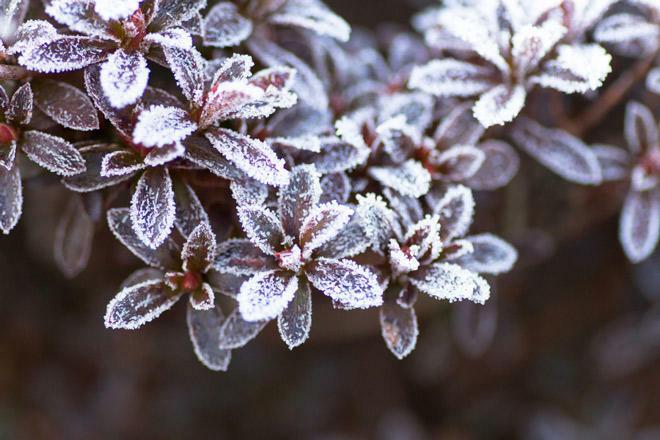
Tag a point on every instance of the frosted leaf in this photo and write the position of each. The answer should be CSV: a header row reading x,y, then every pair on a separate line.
x,y
199,249
20,106
531,43
121,119
416,108
349,131
241,257
152,207
425,236
312,15
346,282
490,255
165,154
4,100
336,156
622,27
614,162
653,80
409,179
376,219
194,25
499,167
170,13
142,275
295,322
204,330
399,139
203,298
641,130
189,211
399,328
225,283
124,77
350,241
262,227
473,25
158,126
451,282
308,86
473,326
450,77
252,156
248,192
91,179
80,16
121,162
200,152
136,305
576,69
171,38
457,249
226,100
13,13
65,104
11,197
266,295
306,143
7,155
237,331
188,69
458,163
73,238
53,153
297,199
459,127
499,105
639,227
559,151
403,260
31,34
276,83
456,209
65,53
115,9
224,26
322,223
408,209
335,187
235,68
166,256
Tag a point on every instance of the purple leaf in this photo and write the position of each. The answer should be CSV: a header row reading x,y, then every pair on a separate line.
x,y
641,130
204,330
236,331
500,105
66,53
141,303
262,227
398,326
295,322
224,26
124,77
322,223
491,255
11,198
121,162
53,153
241,257
188,69
152,207
451,282
639,227
189,210
166,256
456,209
199,250
65,104
499,167
73,238
346,282
91,179
20,106
298,198
158,126
266,294
252,156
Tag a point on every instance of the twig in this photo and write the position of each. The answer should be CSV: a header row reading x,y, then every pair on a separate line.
x,y
595,113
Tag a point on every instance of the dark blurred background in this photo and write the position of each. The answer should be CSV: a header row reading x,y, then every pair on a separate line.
x,y
574,352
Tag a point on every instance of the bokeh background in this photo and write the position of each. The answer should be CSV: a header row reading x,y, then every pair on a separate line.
x,y
567,348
